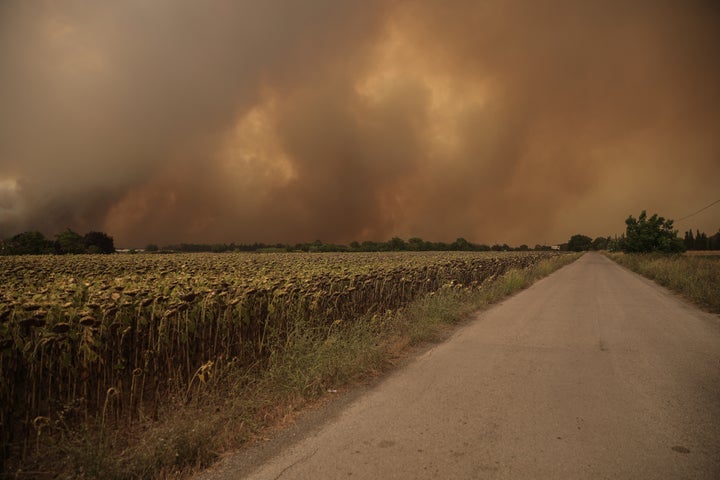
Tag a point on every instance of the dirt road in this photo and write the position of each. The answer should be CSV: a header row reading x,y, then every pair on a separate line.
x,y
591,373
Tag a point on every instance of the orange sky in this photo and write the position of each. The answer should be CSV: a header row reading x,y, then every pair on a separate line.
x,y
498,121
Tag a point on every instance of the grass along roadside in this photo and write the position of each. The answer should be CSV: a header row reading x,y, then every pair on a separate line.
x,y
696,277
234,406
427,317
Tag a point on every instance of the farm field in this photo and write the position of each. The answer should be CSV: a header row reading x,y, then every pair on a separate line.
x,y
111,338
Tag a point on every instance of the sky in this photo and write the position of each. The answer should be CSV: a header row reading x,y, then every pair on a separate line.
x,y
498,121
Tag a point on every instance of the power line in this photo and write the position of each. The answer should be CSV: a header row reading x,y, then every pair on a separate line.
x,y
702,209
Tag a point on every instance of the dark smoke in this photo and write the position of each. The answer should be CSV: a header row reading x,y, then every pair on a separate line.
x,y
276,121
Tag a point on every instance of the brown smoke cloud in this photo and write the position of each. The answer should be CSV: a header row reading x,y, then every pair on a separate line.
x,y
500,121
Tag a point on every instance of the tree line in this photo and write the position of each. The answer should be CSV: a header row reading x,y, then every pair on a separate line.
x,y
395,244
642,235
700,241
70,242
35,243
647,234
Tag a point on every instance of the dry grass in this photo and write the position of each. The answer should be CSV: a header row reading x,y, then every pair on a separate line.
x,y
696,276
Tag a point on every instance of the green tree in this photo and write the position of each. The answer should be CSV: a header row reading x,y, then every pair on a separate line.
x,y
689,240
615,244
715,241
396,244
461,245
654,234
28,243
579,243
701,241
416,244
99,242
600,243
370,246
69,242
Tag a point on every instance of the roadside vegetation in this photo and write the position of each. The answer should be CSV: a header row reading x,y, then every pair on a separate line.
x,y
652,248
136,366
646,234
697,277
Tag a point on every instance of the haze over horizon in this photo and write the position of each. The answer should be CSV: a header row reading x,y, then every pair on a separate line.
x,y
171,121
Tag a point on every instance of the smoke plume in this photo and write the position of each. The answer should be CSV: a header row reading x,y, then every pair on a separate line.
x,y
499,121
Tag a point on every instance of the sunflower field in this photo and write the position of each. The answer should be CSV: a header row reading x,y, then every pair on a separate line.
x,y
109,338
